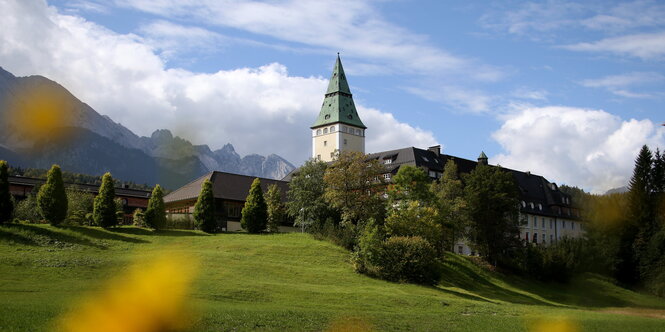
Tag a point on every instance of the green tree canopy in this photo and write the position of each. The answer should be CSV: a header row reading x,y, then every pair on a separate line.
x,y
414,219
104,209
306,202
493,204
204,209
6,204
448,200
52,198
354,186
255,212
409,184
155,214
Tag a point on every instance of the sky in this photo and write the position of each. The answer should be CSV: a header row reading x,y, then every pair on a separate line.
x,y
567,90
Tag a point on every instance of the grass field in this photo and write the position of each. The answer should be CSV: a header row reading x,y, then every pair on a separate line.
x,y
293,282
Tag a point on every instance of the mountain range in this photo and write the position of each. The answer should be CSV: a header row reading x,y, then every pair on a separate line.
x,y
95,144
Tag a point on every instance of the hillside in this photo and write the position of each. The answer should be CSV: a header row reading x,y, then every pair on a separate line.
x,y
293,282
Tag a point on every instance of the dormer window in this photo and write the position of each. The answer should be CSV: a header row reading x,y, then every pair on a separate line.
x,y
540,207
388,161
531,205
523,204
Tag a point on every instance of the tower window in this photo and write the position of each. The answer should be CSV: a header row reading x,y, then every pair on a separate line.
x,y
318,131
318,156
325,143
358,132
325,130
343,129
332,129
327,116
332,155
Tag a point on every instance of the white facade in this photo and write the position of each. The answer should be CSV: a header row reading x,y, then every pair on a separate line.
x,y
329,140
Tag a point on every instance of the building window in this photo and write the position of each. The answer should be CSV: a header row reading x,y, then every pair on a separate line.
x,y
318,131
572,225
531,205
345,141
332,129
527,237
551,224
551,238
332,155
432,174
388,161
540,207
563,224
460,250
358,132
325,130
535,237
386,176
343,129
318,156
523,204
543,223
325,143
543,238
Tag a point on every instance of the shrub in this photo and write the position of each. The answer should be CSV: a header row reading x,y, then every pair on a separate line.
x,y
104,210
276,209
27,210
52,199
6,203
410,259
155,214
255,212
414,219
138,218
79,205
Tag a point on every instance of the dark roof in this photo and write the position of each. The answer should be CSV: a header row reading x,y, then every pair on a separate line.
x,y
227,186
93,188
533,188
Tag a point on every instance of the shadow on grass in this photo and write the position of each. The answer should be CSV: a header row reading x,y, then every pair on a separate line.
x,y
44,236
584,291
16,238
102,234
163,232
458,272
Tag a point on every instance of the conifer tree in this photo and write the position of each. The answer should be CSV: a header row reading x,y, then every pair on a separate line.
x,y
204,210
658,173
276,209
449,200
6,204
255,212
52,198
155,214
104,209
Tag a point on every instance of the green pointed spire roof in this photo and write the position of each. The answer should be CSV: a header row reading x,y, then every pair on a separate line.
x,y
482,155
338,103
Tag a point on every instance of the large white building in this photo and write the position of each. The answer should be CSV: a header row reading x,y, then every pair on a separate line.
x,y
547,214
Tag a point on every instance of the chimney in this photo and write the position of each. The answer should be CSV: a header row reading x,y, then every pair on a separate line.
x,y
436,149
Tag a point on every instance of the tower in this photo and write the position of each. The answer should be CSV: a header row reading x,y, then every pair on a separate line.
x,y
338,127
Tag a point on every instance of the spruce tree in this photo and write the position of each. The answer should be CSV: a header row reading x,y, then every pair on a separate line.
x,y
155,214
204,210
104,210
52,198
6,204
449,200
255,212
276,209
658,173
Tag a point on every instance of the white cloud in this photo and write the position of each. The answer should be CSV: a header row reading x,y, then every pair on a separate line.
x,y
460,99
171,38
260,110
644,45
387,133
588,148
528,93
616,84
353,27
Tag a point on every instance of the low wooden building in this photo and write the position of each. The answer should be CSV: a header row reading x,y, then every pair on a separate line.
x,y
20,187
230,192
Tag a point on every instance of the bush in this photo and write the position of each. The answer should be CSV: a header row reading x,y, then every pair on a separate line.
x,y
401,259
79,205
138,218
27,210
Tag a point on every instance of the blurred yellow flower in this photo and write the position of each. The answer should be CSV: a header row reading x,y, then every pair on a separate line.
x,y
39,112
150,296
553,325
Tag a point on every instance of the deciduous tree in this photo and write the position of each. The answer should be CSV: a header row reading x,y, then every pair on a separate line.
x,y
448,199
306,202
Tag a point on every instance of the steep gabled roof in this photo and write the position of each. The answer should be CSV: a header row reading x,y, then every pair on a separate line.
x,y
226,186
338,106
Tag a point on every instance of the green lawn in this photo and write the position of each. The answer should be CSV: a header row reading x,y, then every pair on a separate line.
x,y
293,282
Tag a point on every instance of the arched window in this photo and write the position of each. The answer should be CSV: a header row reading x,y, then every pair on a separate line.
x,y
523,204
540,207
358,132
332,129
531,205
325,130
343,129
318,131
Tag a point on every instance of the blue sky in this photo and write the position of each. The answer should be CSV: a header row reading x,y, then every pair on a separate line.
x,y
567,90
